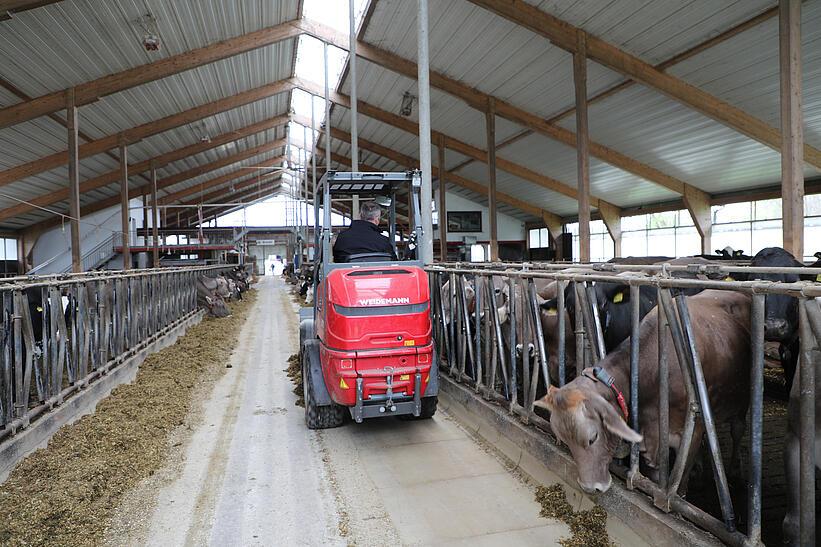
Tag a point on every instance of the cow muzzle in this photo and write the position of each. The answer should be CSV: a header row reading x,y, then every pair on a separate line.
x,y
776,329
596,487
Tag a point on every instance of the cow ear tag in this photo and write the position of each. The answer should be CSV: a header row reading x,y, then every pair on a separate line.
x,y
554,311
729,278
40,308
818,278
618,297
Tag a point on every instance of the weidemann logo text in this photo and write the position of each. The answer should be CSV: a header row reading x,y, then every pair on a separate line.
x,y
383,301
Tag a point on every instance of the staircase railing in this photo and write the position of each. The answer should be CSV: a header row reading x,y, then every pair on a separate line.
x,y
100,254
40,267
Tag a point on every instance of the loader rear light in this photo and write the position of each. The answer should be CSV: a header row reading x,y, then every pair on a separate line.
x,y
346,364
423,358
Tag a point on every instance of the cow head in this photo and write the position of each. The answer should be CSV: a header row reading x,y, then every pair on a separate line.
x,y
592,429
217,306
781,311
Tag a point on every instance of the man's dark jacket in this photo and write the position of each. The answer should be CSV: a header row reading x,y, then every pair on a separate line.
x,y
361,237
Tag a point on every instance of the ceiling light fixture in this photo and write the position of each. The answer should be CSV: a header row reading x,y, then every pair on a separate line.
x,y
151,36
406,109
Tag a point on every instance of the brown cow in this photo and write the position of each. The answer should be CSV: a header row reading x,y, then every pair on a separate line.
x,y
549,316
585,414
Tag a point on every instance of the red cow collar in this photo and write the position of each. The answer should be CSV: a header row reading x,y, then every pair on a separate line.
x,y
598,374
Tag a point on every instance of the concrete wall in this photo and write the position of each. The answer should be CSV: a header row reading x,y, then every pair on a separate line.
x,y
509,228
94,229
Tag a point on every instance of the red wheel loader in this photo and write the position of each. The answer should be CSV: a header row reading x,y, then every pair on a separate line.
x,y
366,344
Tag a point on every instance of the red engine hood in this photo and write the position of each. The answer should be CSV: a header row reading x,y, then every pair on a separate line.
x,y
378,286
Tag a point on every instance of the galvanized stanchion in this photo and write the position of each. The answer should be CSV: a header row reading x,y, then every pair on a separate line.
x,y
756,418
561,356
635,320
807,427
511,317
478,283
707,416
663,402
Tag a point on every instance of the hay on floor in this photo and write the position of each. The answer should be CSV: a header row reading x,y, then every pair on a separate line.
x,y
67,493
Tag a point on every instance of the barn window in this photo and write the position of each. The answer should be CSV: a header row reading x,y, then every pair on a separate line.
x,y
669,233
539,238
9,250
601,244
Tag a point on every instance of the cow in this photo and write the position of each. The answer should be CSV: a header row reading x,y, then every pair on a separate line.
x,y
781,311
613,299
549,317
208,297
586,414
781,325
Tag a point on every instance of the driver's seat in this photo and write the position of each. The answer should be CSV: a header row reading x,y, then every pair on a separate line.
x,y
369,257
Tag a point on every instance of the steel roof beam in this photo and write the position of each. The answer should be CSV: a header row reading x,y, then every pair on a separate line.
x,y
175,155
89,92
563,35
135,134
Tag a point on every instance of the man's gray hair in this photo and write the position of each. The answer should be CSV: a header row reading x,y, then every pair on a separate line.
x,y
370,211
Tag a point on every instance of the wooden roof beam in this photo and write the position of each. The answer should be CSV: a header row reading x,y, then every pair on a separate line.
x,y
221,180
145,130
223,193
175,155
451,143
563,35
479,100
91,91
255,194
664,65
411,163
10,7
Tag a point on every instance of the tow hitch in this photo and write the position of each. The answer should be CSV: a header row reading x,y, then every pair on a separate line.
x,y
388,403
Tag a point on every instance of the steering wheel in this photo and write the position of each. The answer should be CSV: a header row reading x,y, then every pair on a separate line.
x,y
370,257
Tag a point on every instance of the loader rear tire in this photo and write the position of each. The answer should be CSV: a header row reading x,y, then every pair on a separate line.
x,y
319,417
427,411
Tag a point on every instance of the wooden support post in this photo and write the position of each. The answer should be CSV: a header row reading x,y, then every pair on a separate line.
x,y
74,181
490,125
124,212
792,135
582,145
612,220
154,217
443,214
698,203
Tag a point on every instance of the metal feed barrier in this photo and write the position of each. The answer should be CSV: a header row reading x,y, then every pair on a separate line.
x,y
474,346
90,323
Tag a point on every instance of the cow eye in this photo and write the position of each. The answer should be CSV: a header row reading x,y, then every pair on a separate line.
x,y
593,439
497,290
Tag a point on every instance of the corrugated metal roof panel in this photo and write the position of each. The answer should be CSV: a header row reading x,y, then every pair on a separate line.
x,y
68,43
653,30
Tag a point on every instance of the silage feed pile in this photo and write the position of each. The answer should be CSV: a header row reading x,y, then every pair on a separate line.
x,y
294,372
67,493
589,527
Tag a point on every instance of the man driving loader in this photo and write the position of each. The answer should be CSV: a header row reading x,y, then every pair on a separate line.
x,y
363,236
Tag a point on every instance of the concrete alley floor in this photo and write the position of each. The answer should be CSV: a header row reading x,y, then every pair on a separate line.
x,y
250,473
